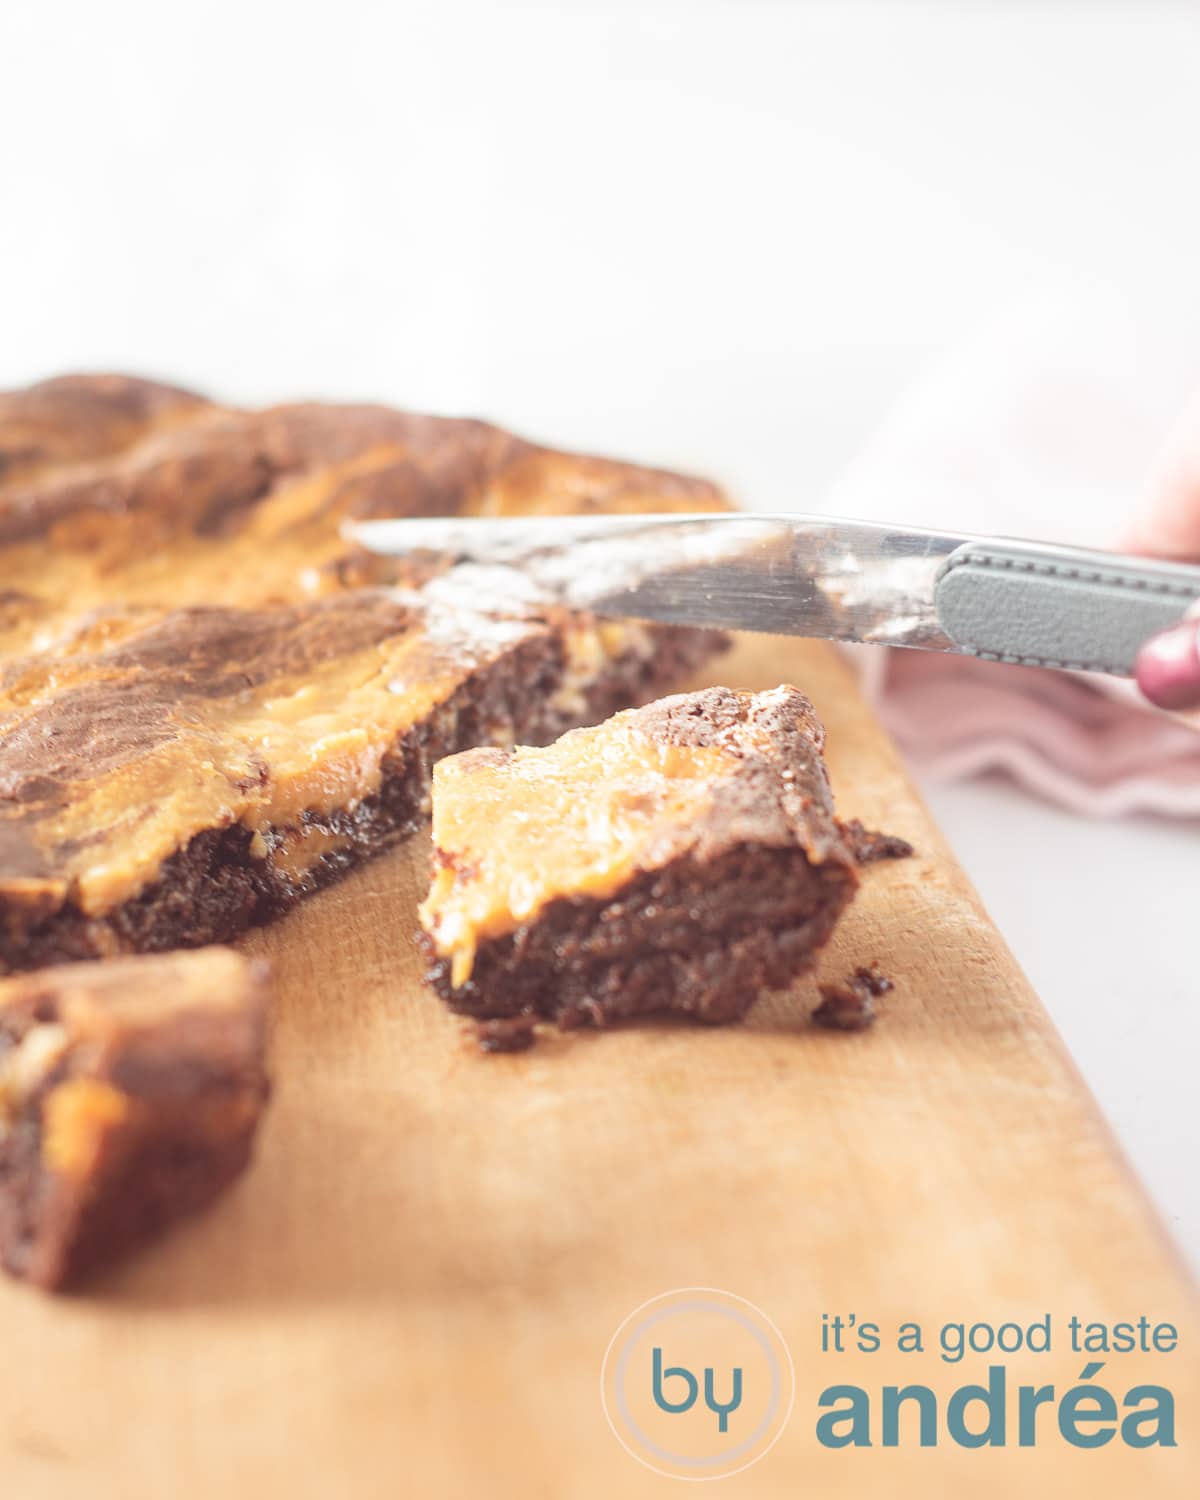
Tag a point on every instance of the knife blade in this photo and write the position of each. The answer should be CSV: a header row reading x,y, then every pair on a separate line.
x,y
998,598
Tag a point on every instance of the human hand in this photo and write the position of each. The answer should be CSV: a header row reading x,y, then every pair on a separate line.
x,y
1168,526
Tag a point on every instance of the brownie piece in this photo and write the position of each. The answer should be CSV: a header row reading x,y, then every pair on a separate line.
x,y
130,1093
680,857
211,704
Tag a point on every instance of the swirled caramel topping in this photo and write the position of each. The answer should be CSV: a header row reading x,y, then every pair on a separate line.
x,y
187,641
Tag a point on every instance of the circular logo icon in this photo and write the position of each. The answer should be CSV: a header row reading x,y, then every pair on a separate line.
x,y
697,1383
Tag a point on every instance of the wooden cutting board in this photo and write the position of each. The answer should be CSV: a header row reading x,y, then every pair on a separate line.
x,y
412,1291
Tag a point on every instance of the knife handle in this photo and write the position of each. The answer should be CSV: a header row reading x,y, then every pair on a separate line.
x,y
1046,606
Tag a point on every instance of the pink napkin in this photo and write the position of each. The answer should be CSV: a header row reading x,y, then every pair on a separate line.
x,y
1045,426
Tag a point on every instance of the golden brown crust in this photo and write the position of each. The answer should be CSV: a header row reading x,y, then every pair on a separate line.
x,y
169,501
74,418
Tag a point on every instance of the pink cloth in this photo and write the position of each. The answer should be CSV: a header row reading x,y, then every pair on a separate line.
x,y
1045,427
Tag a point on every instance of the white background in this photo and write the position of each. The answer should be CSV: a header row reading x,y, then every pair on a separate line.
x,y
719,235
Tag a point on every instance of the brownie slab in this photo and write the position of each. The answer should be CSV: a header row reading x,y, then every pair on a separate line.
x,y
680,857
211,704
130,1093
199,773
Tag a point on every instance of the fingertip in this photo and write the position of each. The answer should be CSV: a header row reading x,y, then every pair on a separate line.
x,y
1168,667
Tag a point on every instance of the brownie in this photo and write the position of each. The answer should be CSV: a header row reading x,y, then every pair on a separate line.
x,y
130,1093
680,857
211,704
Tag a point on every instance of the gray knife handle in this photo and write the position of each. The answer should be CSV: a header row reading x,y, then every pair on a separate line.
x,y
1047,606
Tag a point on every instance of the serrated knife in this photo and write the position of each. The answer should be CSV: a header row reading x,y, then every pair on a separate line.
x,y
993,597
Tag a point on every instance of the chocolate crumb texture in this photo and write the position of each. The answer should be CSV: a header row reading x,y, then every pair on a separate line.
x,y
681,858
130,1094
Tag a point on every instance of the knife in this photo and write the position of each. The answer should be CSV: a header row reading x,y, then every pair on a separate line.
x,y
997,598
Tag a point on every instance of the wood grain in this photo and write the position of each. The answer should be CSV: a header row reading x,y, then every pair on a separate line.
x,y
412,1291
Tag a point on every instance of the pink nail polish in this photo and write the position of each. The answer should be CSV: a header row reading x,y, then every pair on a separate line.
x,y
1168,667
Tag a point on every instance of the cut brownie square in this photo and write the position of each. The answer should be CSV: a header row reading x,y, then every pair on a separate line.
x,y
680,857
130,1093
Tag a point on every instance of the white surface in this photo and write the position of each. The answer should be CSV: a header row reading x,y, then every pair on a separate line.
x,y
723,235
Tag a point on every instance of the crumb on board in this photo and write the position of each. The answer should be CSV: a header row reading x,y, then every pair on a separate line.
x,y
507,1034
869,845
849,1004
873,979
